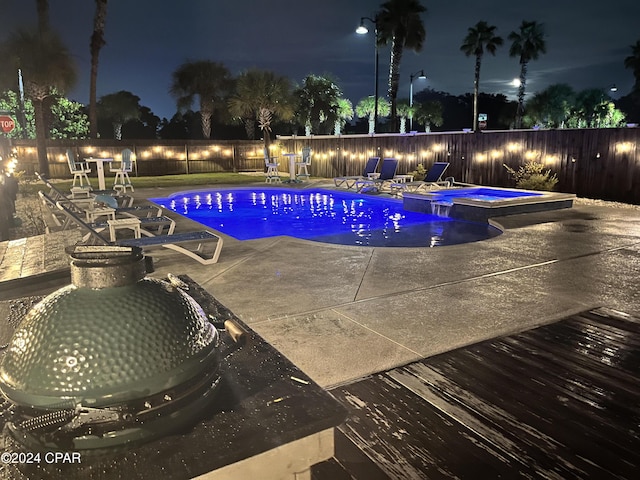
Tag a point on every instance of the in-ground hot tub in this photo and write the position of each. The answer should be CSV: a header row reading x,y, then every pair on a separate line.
x,y
481,203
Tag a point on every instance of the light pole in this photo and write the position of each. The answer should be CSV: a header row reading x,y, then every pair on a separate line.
x,y
419,74
363,30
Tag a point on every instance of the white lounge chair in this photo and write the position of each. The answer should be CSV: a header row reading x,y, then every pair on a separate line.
x,y
178,241
369,170
145,224
86,201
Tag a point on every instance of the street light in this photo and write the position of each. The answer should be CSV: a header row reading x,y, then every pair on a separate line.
x,y
419,74
363,30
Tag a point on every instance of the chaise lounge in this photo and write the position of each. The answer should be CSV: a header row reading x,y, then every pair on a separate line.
x,y
180,242
432,180
369,171
387,175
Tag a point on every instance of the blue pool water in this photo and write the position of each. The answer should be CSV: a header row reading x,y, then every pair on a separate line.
x,y
484,194
321,215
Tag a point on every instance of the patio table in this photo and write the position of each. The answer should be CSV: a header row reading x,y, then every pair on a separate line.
x,y
100,169
292,165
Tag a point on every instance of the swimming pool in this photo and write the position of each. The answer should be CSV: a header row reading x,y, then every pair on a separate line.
x,y
321,215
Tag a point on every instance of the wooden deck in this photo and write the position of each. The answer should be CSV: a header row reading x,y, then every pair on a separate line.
x,y
560,401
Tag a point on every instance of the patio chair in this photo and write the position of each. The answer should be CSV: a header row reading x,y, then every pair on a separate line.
x,y
272,168
369,170
179,242
387,174
122,181
432,180
79,170
302,166
62,222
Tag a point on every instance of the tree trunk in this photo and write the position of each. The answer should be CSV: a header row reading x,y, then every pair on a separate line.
x,y
205,118
250,128
42,7
476,91
394,81
97,42
117,131
41,136
267,137
523,80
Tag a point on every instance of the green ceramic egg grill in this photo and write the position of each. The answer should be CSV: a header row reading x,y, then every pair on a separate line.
x,y
114,358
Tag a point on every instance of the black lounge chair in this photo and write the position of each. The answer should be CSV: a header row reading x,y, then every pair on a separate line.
x,y
432,180
369,169
387,174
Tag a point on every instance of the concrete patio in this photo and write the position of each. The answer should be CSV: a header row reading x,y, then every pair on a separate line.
x,y
341,313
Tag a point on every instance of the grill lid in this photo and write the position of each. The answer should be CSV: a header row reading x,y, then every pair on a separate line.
x,y
109,347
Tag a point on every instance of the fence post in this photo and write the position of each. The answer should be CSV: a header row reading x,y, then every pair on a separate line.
x,y
186,158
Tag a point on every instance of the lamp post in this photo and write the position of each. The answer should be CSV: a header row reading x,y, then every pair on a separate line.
x,y
363,30
419,74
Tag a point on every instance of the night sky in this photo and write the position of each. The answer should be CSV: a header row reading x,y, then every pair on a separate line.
x,y
147,40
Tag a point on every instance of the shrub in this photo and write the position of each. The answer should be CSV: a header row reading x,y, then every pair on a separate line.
x,y
533,176
419,173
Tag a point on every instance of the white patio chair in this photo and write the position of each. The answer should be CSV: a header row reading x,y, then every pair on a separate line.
x,y
272,168
122,181
78,169
302,166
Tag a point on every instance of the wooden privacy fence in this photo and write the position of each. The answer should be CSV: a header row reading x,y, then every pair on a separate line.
x,y
152,157
595,163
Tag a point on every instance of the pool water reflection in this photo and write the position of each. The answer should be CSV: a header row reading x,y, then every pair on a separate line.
x,y
321,215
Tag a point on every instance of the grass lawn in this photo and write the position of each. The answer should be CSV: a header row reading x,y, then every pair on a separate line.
x,y
195,179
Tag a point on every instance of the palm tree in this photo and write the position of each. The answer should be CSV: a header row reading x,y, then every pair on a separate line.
x,y
318,103
479,38
42,8
97,42
633,63
119,108
345,114
528,44
399,24
46,64
262,97
210,81
367,108
429,113
404,111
